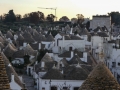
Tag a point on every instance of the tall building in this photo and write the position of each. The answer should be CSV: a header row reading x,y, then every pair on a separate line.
x,y
100,20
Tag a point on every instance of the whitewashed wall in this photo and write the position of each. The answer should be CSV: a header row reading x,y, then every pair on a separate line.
x,y
45,83
76,44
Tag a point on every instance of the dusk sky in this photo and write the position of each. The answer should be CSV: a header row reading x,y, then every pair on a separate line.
x,y
64,7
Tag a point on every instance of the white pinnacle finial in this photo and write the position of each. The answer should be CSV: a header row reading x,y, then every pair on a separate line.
x,y
78,65
54,67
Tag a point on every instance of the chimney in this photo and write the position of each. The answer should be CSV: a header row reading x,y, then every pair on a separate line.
x,y
71,30
12,77
62,72
85,56
39,47
36,62
62,28
24,44
71,54
20,77
15,37
63,40
42,65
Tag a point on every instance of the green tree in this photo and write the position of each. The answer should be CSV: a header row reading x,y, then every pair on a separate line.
x,y
10,17
42,52
26,59
34,17
53,32
50,17
80,18
64,19
18,17
115,17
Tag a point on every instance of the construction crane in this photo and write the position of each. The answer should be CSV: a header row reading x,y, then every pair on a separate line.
x,y
51,9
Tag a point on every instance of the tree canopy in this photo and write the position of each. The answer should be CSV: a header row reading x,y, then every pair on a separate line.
x,y
10,17
64,19
115,17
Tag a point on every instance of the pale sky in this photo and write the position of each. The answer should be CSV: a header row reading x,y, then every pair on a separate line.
x,y
64,7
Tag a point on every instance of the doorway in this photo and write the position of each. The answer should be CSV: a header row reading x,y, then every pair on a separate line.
x,y
70,48
53,88
29,72
76,88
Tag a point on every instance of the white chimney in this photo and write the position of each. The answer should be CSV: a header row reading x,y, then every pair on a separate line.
x,y
85,56
62,28
20,77
71,31
62,71
42,64
71,54
12,77
39,47
24,44
15,37
63,40
36,62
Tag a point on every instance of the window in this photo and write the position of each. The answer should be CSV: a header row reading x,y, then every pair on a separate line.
x,y
113,64
43,88
70,48
76,88
53,88
65,88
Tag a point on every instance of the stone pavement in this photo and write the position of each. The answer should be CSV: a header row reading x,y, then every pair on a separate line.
x,y
29,82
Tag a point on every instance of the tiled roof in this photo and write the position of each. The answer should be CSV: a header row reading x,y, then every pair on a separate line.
x,y
100,79
4,82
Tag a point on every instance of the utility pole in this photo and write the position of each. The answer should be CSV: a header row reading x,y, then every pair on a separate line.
x,y
51,9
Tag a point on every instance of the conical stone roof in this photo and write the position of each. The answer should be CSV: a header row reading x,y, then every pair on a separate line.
x,y
47,58
10,70
4,82
9,35
49,38
9,50
29,50
53,74
100,79
28,37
